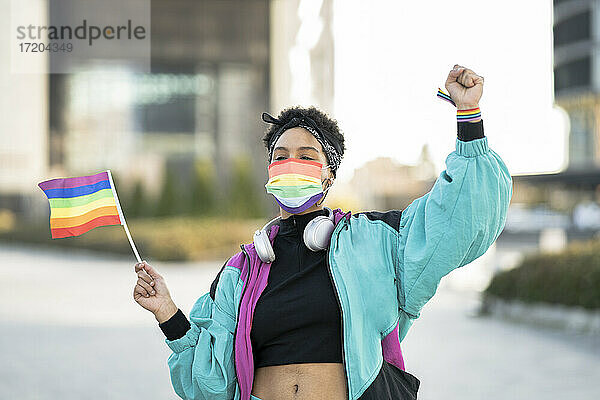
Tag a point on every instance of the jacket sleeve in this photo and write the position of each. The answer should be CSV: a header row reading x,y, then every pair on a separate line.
x,y
201,364
453,224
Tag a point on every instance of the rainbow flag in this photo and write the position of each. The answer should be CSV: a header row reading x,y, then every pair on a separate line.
x,y
82,203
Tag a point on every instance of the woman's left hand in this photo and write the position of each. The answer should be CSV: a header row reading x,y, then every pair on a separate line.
x,y
465,87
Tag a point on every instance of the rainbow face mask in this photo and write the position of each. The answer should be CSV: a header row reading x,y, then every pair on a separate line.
x,y
295,183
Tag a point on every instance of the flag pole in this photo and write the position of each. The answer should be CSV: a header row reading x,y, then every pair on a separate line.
x,y
122,217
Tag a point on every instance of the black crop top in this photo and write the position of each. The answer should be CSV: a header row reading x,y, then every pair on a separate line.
x,y
297,317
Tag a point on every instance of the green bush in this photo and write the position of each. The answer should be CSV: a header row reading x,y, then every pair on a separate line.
x,y
570,277
169,201
244,196
202,201
163,239
137,203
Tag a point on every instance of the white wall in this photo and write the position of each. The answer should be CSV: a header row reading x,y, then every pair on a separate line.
x,y
23,108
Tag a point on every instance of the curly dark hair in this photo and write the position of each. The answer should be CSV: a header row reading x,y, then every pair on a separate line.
x,y
321,119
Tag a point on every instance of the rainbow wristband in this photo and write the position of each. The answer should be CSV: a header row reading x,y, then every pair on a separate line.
x,y
470,115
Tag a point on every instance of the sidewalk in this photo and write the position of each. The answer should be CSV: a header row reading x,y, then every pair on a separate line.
x,y
459,356
71,330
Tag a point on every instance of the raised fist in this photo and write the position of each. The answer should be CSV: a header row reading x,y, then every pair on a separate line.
x,y
465,87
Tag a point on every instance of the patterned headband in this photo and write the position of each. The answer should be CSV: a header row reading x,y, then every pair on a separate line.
x,y
331,146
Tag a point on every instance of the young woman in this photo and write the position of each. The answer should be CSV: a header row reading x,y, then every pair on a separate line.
x,y
317,305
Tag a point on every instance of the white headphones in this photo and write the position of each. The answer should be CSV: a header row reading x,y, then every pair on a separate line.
x,y
317,234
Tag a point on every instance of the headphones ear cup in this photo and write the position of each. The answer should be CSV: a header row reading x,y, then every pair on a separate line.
x,y
263,247
262,244
317,232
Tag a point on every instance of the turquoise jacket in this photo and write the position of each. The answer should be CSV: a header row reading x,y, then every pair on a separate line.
x,y
385,266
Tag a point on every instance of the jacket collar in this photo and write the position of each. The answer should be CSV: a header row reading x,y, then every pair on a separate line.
x,y
286,225
295,224
338,214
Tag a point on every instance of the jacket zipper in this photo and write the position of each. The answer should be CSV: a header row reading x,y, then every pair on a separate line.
x,y
238,313
337,296
299,246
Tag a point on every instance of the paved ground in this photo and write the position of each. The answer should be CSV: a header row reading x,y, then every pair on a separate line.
x,y
460,356
71,330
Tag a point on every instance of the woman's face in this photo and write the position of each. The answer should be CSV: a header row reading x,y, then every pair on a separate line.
x,y
299,143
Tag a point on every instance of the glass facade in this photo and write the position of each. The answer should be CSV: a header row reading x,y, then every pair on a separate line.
x,y
581,138
573,29
574,74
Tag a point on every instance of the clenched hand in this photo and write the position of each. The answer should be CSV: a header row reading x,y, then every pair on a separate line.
x,y
151,292
465,87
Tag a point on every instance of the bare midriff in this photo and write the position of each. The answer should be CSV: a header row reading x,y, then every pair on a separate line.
x,y
300,382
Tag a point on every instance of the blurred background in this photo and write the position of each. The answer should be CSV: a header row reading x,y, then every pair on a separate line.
x,y
183,142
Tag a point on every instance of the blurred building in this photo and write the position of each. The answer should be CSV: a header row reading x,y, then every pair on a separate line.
x,y
576,80
215,67
208,84
384,184
576,33
302,53
23,122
